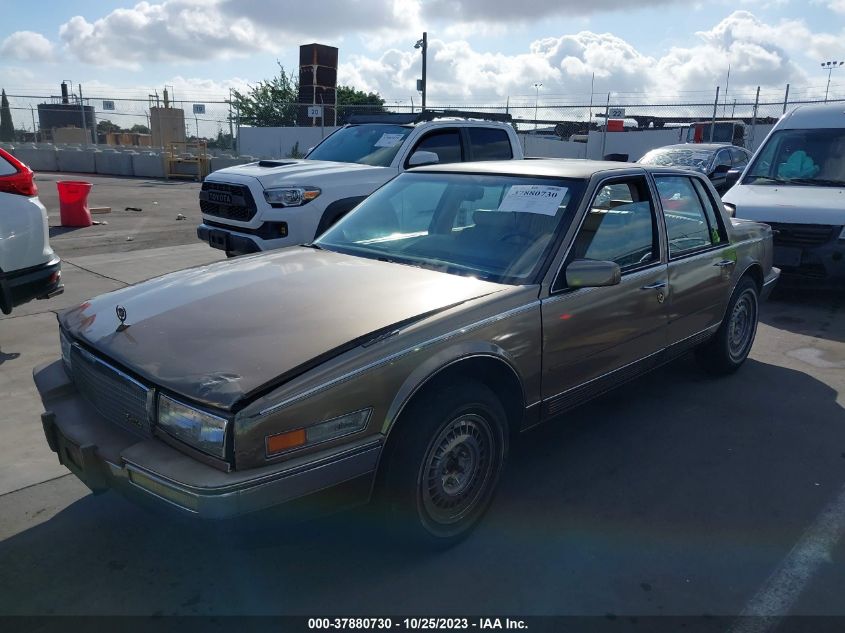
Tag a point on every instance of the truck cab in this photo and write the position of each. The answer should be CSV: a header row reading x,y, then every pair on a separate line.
x,y
284,202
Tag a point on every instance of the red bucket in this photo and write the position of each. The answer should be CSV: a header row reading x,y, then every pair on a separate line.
x,y
73,202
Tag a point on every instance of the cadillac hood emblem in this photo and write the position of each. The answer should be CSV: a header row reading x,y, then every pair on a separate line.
x,y
121,315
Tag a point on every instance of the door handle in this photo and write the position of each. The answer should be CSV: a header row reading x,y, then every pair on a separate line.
x,y
655,286
725,263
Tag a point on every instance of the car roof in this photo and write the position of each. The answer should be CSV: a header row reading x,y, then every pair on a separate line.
x,y
577,168
697,147
814,116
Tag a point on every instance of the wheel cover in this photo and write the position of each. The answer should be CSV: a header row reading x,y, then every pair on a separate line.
x,y
457,469
742,325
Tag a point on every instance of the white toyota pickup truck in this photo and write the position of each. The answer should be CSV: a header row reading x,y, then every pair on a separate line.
x,y
276,203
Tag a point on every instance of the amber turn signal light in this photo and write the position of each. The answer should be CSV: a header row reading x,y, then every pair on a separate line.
x,y
285,441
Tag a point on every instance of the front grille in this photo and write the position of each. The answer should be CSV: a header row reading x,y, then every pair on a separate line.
x,y
117,397
801,234
242,207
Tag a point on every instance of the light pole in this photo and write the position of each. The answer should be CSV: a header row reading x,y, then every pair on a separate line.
x,y
537,87
830,66
423,44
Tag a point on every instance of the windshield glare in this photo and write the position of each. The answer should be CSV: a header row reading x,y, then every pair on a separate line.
x,y
373,144
496,228
801,157
689,158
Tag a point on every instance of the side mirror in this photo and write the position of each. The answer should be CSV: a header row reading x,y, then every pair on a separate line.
x,y
423,158
588,273
721,170
732,177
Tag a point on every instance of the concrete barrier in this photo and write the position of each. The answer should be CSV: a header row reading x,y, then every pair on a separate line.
x,y
148,165
76,160
114,163
38,158
221,162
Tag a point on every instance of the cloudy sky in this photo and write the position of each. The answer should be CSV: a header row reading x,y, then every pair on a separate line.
x,y
480,51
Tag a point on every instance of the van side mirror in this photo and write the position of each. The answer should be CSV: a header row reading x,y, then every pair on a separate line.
x,y
422,157
721,170
732,177
588,273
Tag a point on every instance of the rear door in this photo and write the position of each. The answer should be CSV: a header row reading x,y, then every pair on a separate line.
x,y
594,338
701,259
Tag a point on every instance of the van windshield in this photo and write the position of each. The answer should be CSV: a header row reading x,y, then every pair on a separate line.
x,y
801,157
373,144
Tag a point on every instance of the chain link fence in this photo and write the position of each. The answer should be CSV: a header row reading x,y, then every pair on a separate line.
x,y
218,121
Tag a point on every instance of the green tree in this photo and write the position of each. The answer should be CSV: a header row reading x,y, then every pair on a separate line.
x,y
139,129
351,101
269,103
7,130
105,126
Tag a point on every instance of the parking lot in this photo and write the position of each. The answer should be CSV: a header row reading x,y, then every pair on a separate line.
x,y
678,494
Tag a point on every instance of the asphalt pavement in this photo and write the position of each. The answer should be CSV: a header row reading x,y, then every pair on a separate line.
x,y
678,494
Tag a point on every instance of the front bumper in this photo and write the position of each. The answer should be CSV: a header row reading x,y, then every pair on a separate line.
x,y
107,457
815,264
769,283
38,282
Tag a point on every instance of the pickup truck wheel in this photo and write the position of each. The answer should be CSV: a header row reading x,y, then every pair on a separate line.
x,y
730,346
443,469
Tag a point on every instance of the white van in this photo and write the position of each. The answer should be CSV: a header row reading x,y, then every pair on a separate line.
x,y
796,183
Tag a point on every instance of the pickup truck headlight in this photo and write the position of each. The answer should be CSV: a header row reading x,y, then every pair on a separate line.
x,y
290,196
730,208
318,433
201,430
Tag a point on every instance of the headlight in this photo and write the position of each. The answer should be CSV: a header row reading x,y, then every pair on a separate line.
x,y
65,344
203,431
317,433
730,208
290,196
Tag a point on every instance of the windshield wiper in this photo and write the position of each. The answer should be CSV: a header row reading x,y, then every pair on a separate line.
x,y
827,182
779,181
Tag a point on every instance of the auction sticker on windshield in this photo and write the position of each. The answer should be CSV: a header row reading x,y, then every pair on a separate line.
x,y
541,199
389,140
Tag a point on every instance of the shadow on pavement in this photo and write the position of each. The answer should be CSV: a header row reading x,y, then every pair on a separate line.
x,y
676,494
807,311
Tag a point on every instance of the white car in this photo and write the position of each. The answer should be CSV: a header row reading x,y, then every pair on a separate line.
x,y
796,183
29,269
285,202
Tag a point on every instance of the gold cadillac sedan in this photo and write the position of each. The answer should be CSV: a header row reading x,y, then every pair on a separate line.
x,y
394,358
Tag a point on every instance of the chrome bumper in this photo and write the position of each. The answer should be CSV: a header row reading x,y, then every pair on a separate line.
x,y
769,283
105,457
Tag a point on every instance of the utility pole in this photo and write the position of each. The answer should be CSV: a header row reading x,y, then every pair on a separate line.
x,y
231,133
423,44
715,107
537,87
785,99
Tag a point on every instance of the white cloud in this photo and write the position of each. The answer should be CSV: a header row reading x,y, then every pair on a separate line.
x,y
174,30
27,46
837,5
509,11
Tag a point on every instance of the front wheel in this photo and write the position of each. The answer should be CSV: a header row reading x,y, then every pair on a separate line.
x,y
442,470
728,349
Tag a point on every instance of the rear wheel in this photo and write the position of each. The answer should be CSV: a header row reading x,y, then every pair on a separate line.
x,y
441,472
728,349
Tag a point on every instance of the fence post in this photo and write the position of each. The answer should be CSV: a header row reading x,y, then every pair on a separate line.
x,y
238,126
715,107
34,131
754,116
785,99
84,123
606,119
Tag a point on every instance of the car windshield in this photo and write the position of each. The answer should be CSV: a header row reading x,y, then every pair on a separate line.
x,y
801,157
496,228
689,158
373,144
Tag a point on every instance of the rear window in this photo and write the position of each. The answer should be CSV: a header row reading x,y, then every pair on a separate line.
x,y
6,168
490,144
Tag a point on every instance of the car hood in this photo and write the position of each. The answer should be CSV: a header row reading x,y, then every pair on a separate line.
x,y
218,333
289,171
793,203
